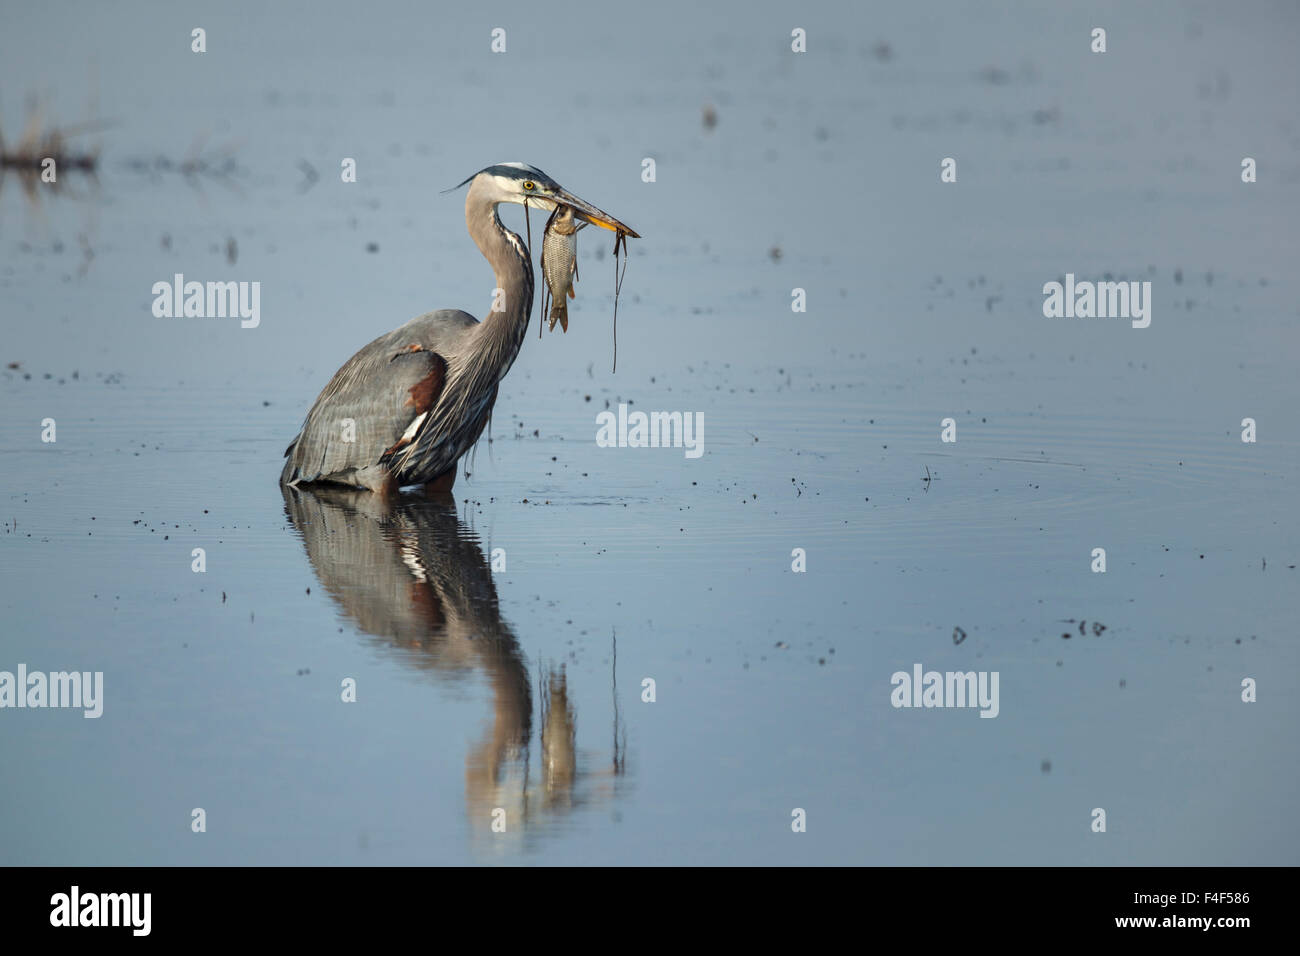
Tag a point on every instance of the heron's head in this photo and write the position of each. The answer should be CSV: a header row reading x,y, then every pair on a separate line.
x,y
528,185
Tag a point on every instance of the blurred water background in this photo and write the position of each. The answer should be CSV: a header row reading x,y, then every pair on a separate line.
x,y
522,688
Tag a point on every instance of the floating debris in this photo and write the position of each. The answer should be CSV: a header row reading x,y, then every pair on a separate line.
x,y
217,164
43,153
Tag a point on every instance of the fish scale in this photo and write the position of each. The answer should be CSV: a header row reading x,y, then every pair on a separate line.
x,y
560,262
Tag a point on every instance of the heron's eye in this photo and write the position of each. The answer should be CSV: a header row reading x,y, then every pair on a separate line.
x,y
530,185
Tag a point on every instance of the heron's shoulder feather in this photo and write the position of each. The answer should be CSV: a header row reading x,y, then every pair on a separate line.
x,y
372,401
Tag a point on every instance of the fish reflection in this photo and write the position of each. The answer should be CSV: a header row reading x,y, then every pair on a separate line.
x,y
408,572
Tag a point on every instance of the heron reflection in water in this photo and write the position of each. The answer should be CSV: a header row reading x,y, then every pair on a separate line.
x,y
407,571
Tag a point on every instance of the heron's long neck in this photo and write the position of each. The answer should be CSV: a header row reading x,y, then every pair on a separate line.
x,y
502,332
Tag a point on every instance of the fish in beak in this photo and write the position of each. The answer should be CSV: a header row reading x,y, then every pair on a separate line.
x,y
586,212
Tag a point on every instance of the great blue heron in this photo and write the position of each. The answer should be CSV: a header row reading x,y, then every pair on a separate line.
x,y
405,408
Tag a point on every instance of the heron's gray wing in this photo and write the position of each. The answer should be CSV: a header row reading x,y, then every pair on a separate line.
x,y
373,401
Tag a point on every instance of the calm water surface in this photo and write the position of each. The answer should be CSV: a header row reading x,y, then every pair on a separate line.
x,y
520,687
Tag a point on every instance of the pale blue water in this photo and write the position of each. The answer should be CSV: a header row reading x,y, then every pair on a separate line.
x,y
924,302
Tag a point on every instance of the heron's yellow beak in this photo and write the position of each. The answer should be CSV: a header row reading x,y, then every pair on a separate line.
x,y
597,217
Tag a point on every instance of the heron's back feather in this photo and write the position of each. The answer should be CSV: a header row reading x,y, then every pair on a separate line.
x,y
374,399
